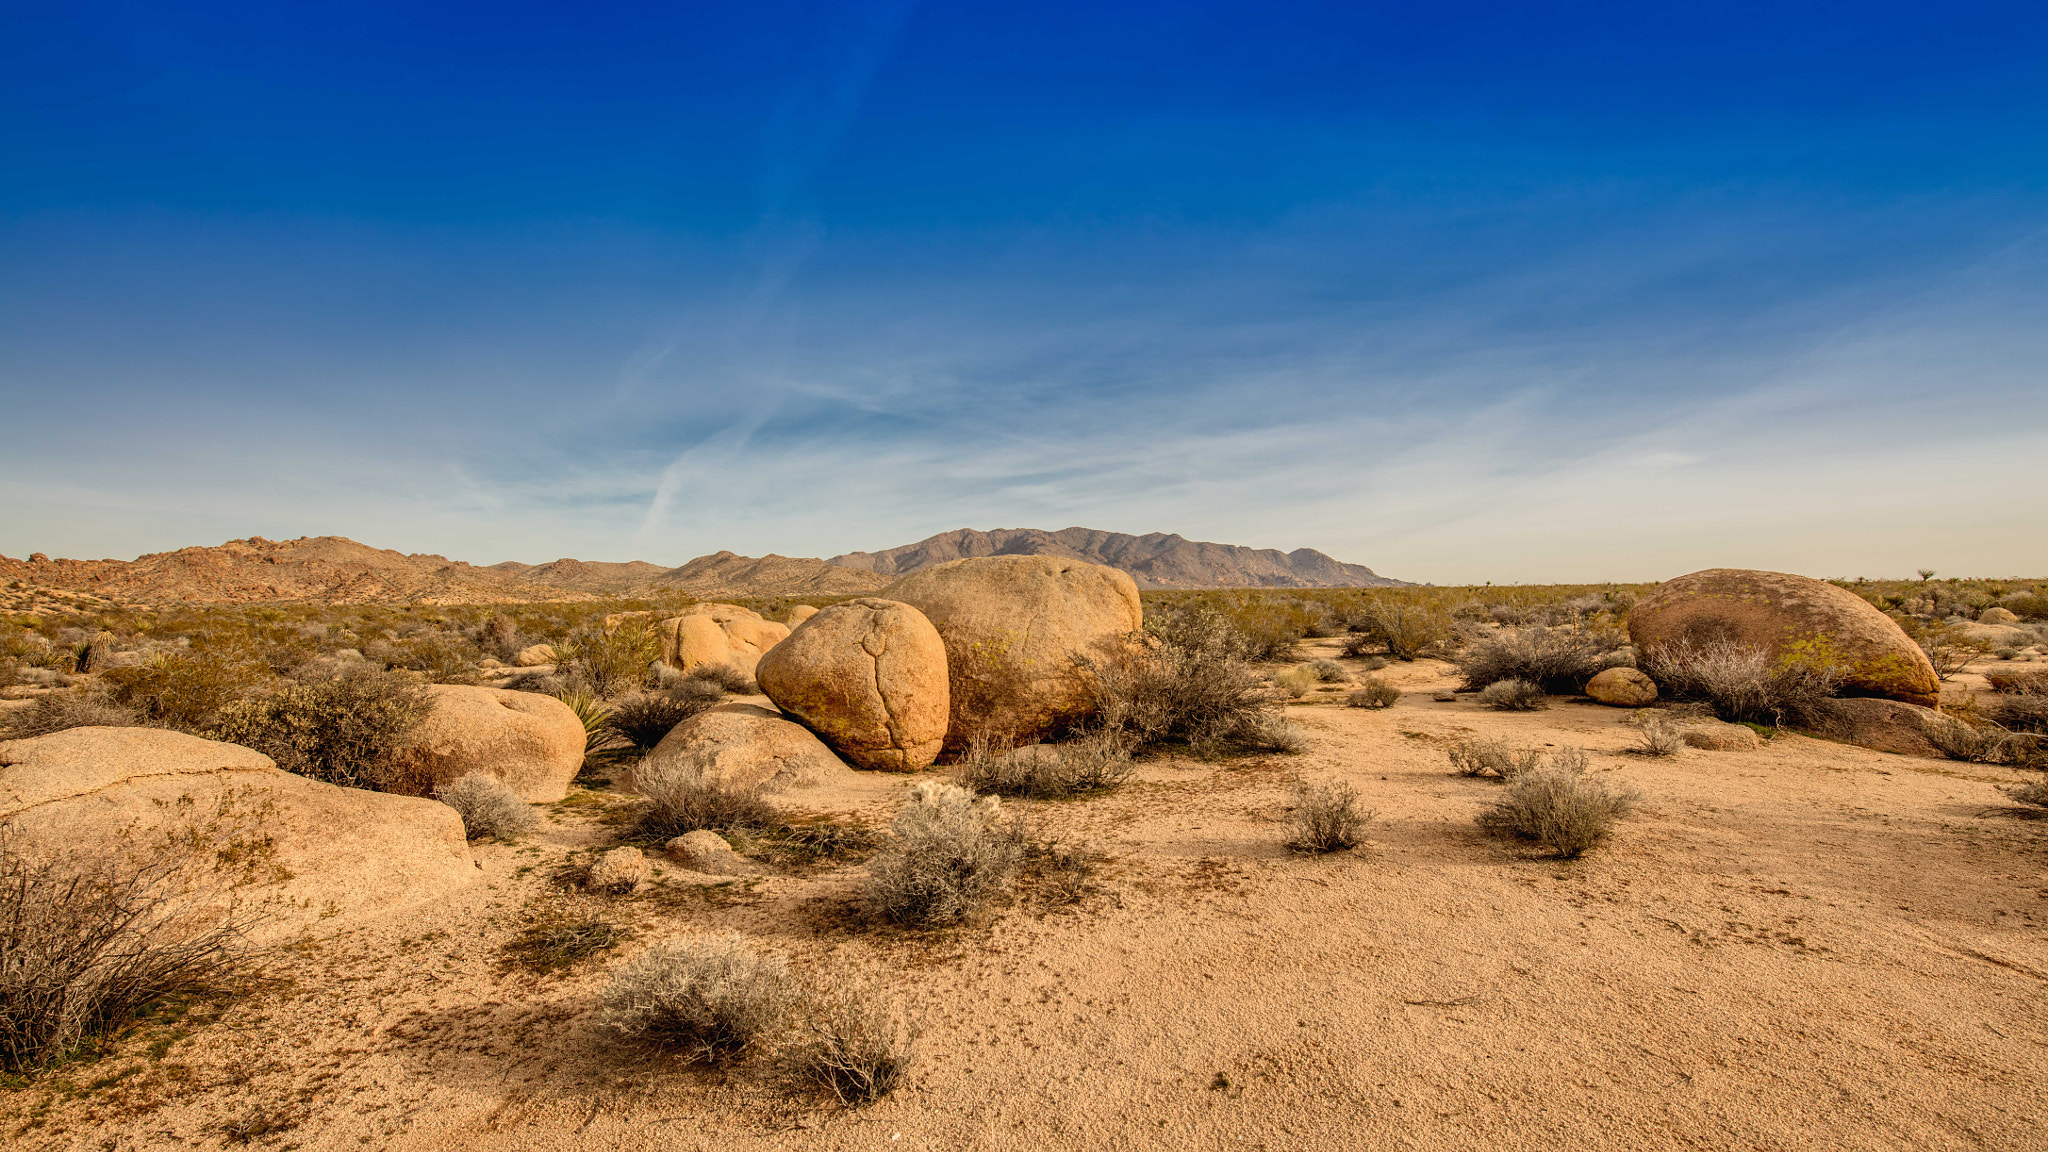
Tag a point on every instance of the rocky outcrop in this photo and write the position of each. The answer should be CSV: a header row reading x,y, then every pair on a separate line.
x,y
315,849
1716,736
706,851
533,743
869,677
534,656
1997,616
1883,725
745,746
718,634
1795,617
1622,688
1018,632
1157,560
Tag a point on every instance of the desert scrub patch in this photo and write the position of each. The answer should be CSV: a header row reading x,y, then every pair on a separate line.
x,y
1746,682
1557,660
1513,696
1185,683
1485,758
1086,766
950,856
1560,807
726,678
611,661
1656,736
1327,818
187,690
561,934
642,719
684,794
340,731
804,846
1374,693
488,807
58,711
1294,683
1329,671
855,1044
714,998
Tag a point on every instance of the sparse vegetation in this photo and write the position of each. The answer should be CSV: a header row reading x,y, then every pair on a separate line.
x,y
1746,683
488,807
1374,693
856,1046
612,661
59,711
559,937
1092,763
340,731
684,795
726,677
1557,660
1327,818
1187,685
715,999
1491,759
1329,671
1657,737
1295,682
1560,807
1513,696
642,719
950,857
187,690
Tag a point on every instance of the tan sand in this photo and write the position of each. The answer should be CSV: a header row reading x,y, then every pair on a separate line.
x,y
1807,946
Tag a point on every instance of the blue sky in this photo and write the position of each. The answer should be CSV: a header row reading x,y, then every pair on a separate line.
x,y
1485,292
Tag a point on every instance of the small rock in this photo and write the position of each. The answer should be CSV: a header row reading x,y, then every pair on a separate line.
x,y
1715,736
1622,688
535,655
707,851
1997,616
1444,698
620,871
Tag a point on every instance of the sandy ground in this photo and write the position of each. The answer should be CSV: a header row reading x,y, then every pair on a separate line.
x,y
1806,946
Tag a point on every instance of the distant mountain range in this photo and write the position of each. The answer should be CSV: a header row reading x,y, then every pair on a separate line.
x,y
337,570
1156,560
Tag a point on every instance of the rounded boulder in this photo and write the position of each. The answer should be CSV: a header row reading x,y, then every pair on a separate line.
x,y
718,634
532,742
1997,616
869,677
313,849
1019,632
745,746
1622,688
1796,618
534,656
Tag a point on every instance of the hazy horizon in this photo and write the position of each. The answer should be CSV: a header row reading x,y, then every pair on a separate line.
x,y
1512,293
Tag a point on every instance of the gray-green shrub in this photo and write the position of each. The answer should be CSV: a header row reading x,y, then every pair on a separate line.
x,y
488,807
1513,696
1560,807
716,999
341,731
951,855
1327,818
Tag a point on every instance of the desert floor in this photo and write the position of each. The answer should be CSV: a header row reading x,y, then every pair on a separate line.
x,y
1806,946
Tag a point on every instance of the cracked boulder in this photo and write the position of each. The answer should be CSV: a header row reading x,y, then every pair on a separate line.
x,y
869,677
301,851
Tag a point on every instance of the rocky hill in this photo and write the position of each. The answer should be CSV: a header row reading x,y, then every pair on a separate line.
x,y
1156,560
598,577
727,574
326,569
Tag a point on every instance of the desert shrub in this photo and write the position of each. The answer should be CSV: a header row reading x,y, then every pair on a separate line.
x,y
87,940
950,857
186,690
1406,630
1093,763
1327,818
591,712
613,661
726,677
443,657
1558,660
499,636
1745,683
1329,671
559,937
1513,696
684,795
1186,686
2028,605
1560,807
716,999
1989,744
1375,693
488,807
341,731
1656,737
2032,792
1294,682
58,711
642,719
855,1046
2029,682
2027,713
1272,732
1481,757
619,872
1949,647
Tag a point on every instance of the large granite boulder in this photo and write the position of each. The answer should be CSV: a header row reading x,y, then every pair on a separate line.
x,y
533,742
718,634
1794,617
746,746
316,850
869,677
1018,632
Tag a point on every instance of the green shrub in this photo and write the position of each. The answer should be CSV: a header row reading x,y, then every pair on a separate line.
x,y
612,661
950,858
1295,682
1407,630
186,690
643,719
340,731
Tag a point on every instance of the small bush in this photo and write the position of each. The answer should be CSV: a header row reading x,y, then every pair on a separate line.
x,y
2021,682
1272,732
341,731
558,938
87,940
614,661
1376,693
1491,759
1329,671
684,795
1558,660
186,690
1513,696
1094,763
1375,663
1327,819
644,718
1560,807
726,677
1294,682
1407,630
2028,713
1655,737
856,1047
58,711
1185,685
488,807
949,859
1949,647
715,999
1744,683
2032,792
